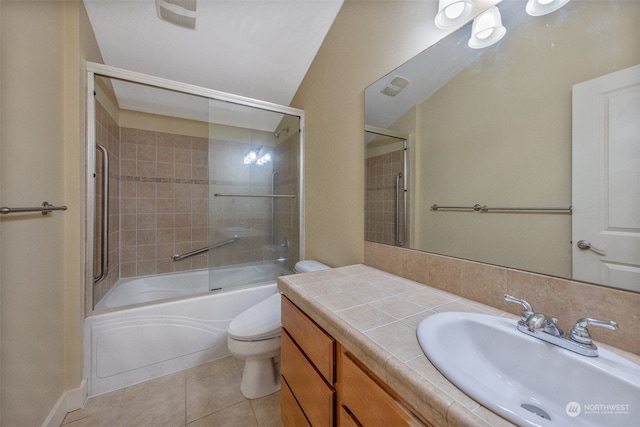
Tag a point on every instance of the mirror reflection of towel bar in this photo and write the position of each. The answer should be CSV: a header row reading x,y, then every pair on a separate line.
x,y
484,208
45,209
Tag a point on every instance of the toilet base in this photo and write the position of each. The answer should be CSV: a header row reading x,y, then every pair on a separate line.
x,y
260,377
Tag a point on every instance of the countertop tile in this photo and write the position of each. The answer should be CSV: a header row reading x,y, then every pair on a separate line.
x,y
374,315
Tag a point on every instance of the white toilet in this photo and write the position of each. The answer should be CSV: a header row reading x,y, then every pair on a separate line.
x,y
254,335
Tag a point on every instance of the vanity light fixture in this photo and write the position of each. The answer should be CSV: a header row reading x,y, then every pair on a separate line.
x,y
487,29
543,7
453,13
251,156
264,159
254,156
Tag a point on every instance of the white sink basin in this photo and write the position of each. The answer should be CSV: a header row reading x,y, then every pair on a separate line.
x,y
508,371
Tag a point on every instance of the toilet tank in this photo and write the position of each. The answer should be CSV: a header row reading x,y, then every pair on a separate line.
x,y
309,265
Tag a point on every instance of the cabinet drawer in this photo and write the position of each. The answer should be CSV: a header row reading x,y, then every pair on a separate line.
x,y
314,342
367,401
313,394
345,419
290,411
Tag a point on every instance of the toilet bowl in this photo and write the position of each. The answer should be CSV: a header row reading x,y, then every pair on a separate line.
x,y
254,336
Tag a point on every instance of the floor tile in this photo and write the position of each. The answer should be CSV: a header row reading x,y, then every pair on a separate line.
x,y
206,395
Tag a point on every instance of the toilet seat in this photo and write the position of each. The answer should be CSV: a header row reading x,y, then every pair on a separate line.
x,y
260,322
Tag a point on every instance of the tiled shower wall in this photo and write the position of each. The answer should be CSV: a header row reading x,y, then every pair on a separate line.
x,y
382,197
163,201
158,201
107,135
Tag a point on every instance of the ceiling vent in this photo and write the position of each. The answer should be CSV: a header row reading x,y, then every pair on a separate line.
x,y
395,87
177,12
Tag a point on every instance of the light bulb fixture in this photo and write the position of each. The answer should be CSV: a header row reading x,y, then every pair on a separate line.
x,y
543,7
487,29
251,157
453,13
257,157
264,159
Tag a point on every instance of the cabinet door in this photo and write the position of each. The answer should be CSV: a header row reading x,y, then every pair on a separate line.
x,y
311,391
366,400
316,344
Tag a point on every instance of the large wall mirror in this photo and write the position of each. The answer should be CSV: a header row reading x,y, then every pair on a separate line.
x,y
524,154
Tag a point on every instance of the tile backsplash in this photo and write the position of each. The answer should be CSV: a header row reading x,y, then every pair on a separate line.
x,y
566,299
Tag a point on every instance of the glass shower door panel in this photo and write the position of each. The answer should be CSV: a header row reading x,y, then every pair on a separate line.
x,y
247,150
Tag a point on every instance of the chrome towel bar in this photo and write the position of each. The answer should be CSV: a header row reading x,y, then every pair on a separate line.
x,y
484,208
45,209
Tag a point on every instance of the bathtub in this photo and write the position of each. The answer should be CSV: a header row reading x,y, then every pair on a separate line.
x,y
133,345
145,289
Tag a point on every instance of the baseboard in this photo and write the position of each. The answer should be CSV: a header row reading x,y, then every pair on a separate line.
x,y
71,400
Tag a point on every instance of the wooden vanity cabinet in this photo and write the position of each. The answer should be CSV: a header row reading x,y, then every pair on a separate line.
x,y
364,400
324,385
308,370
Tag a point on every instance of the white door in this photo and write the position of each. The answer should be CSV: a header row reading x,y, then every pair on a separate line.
x,y
606,180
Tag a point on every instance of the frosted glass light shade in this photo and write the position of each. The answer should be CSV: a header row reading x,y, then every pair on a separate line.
x,y
487,29
453,13
543,7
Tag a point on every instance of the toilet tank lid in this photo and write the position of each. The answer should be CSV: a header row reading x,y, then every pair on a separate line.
x,y
259,321
309,265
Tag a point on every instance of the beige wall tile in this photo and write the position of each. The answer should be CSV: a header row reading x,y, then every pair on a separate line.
x,y
565,299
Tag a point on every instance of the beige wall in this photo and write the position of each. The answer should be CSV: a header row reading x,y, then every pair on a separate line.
x,y
41,158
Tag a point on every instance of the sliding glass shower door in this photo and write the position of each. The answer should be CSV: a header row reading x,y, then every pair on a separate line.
x,y
197,180
253,195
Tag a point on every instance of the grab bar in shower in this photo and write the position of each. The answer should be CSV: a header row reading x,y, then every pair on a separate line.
x,y
44,209
399,196
104,253
284,196
177,257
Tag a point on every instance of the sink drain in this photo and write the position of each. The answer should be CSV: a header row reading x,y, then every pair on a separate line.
x,y
539,412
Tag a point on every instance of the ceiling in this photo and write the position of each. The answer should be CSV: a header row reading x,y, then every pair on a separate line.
x,y
259,49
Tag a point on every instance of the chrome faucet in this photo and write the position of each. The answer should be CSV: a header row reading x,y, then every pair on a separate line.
x,y
545,328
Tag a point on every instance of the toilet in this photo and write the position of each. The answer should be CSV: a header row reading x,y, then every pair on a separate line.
x,y
254,336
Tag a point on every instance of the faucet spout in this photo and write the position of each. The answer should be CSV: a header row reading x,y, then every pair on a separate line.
x,y
540,322
546,328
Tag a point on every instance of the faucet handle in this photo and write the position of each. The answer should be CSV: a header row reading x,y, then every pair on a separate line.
x,y
580,333
528,310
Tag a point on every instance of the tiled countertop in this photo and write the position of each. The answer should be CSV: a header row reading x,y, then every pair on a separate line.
x,y
374,315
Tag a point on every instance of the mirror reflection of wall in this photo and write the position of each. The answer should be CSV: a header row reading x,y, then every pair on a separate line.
x,y
499,133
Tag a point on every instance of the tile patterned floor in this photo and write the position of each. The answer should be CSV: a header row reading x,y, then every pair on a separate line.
x,y
203,396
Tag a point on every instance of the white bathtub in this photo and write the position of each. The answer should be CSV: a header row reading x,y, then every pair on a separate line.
x,y
132,345
144,289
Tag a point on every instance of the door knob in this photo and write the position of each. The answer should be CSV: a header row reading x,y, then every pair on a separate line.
x,y
585,244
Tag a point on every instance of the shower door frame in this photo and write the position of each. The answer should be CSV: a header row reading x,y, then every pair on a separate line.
x,y
101,70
